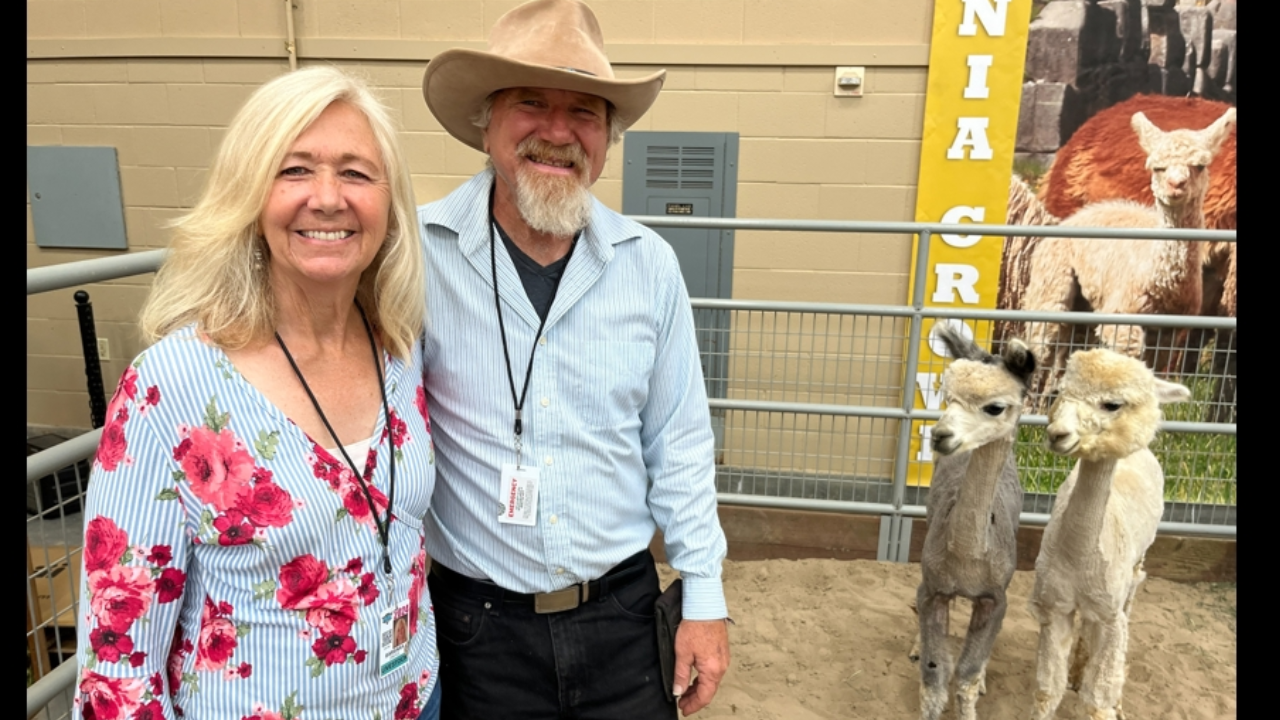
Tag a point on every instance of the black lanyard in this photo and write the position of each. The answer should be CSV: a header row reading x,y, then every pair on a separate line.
x,y
384,526
502,330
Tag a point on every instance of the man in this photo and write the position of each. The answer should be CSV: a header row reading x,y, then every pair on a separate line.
x,y
571,419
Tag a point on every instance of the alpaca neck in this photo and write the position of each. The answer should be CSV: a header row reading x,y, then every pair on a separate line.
x,y
1189,215
1087,508
971,516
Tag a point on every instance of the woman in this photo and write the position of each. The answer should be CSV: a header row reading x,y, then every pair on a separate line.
x,y
253,524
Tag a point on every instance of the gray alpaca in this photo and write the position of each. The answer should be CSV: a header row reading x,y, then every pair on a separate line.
x,y
970,550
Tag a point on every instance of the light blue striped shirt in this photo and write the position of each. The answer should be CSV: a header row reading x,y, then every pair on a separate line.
x,y
615,420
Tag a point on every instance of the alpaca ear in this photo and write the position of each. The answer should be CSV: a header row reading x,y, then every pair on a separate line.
x,y
1220,130
1019,360
1168,392
956,344
1147,132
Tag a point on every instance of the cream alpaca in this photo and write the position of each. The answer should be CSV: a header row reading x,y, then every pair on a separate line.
x,y
970,550
1105,517
1127,276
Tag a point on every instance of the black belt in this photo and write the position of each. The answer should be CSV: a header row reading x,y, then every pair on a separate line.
x,y
622,575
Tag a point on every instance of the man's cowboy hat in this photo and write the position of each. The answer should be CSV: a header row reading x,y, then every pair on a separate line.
x,y
546,44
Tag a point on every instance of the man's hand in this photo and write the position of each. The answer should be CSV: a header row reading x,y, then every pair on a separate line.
x,y
701,644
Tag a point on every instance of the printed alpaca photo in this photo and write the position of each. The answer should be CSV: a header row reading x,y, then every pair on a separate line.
x,y
1113,142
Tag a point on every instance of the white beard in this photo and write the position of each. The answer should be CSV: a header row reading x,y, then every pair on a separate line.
x,y
554,204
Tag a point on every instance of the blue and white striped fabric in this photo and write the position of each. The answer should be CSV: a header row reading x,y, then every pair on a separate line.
x,y
615,421
229,569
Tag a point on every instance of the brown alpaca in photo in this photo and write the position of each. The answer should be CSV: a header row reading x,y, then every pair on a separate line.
x,y
1103,161
1130,277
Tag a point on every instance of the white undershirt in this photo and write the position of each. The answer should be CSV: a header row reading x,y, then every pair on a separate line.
x,y
358,452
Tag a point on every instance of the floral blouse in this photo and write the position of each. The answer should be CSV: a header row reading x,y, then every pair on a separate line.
x,y
232,566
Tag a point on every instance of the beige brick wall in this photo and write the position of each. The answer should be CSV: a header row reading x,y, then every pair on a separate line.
x,y
159,80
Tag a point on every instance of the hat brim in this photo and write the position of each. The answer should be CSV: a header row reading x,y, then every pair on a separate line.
x,y
457,82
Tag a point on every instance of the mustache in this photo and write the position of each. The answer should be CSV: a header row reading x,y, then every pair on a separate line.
x,y
542,150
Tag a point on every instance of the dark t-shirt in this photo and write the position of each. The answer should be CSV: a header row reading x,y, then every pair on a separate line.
x,y
540,283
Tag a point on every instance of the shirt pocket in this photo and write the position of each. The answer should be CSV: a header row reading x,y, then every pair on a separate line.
x,y
612,382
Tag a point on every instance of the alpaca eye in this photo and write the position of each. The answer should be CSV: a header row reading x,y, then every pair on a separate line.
x,y
993,409
1199,168
1111,406
1158,169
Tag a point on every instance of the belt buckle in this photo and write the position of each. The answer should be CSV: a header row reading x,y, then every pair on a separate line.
x,y
560,600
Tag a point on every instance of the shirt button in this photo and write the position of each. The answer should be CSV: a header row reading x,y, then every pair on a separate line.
x,y
548,460
559,571
542,340
546,402
554,519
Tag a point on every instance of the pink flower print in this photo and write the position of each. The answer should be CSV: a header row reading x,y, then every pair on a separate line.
x,y
332,607
153,395
217,642
332,620
120,596
169,585
354,566
266,504
157,684
181,449
407,707
104,544
160,555
151,711
108,698
360,656
110,645
136,659
232,528
334,648
217,466
397,428
112,446
368,590
177,651
299,579
129,382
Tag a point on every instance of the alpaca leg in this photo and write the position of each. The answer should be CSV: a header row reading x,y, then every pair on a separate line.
x,y
1051,287
1104,675
984,625
935,656
1051,664
914,653
1079,658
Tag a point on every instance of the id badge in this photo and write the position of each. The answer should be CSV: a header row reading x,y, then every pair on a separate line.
x,y
395,632
519,495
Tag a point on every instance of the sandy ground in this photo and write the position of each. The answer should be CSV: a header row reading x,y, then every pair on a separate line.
x,y
829,639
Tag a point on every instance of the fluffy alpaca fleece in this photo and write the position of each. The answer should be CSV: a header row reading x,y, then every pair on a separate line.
x,y
1145,277
1103,161
1103,522
970,550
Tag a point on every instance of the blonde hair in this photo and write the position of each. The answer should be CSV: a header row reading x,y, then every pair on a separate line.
x,y
216,274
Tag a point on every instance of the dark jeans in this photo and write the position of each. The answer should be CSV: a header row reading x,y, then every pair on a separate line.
x,y
500,659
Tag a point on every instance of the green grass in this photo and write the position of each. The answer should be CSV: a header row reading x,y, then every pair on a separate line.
x,y
1198,468
1031,170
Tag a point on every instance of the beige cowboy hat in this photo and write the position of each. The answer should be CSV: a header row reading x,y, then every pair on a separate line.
x,y
553,44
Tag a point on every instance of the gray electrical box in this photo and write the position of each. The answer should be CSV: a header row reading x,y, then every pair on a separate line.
x,y
687,174
691,174
75,197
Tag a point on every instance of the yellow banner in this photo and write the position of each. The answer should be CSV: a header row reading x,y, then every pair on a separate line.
x,y
966,157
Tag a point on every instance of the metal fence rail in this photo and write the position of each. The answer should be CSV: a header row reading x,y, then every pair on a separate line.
x,y
809,406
